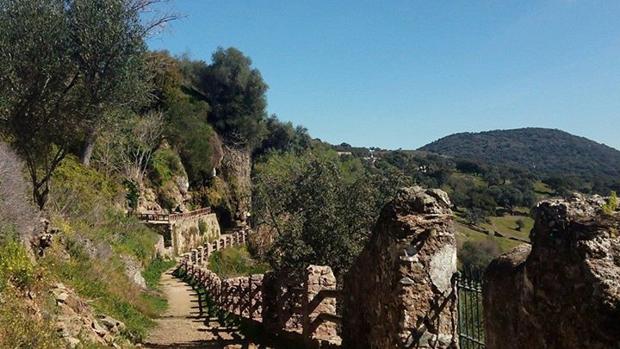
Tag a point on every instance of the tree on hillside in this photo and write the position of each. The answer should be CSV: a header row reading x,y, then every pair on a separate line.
x,y
283,136
107,45
64,65
236,95
317,208
39,106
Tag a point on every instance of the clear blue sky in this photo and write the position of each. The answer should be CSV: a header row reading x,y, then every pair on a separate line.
x,y
399,74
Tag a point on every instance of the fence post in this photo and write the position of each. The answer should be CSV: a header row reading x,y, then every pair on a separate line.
x,y
199,253
317,306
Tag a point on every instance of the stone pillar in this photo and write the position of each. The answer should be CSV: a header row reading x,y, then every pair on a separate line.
x,y
200,253
318,280
194,253
564,290
398,293
255,296
207,252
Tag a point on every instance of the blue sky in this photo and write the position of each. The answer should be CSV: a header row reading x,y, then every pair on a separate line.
x,y
399,74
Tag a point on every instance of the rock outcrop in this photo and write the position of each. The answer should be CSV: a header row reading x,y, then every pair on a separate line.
x,y
399,293
77,324
16,207
564,291
236,171
133,270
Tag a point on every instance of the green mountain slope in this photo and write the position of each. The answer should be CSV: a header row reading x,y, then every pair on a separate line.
x,y
546,152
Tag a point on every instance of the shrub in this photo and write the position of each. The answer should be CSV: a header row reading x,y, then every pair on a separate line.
x,y
19,329
235,261
202,226
152,273
612,204
15,266
166,164
82,191
478,254
133,193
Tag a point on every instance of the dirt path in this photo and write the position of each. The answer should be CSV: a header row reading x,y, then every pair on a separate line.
x,y
182,325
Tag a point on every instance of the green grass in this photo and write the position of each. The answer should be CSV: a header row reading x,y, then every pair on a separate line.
x,y
152,273
111,292
464,233
235,261
542,189
507,226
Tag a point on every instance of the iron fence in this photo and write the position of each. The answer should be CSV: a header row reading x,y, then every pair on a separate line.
x,y
471,318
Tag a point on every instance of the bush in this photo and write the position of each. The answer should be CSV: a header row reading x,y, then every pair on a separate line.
x,y
235,261
202,226
19,329
152,273
82,191
612,204
478,254
15,267
133,193
165,165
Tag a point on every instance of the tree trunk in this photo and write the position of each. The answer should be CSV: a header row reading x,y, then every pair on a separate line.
x,y
40,196
89,146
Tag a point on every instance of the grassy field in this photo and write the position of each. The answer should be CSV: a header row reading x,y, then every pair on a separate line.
x,y
507,226
464,233
542,188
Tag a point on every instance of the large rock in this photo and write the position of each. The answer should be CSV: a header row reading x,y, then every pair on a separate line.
x,y
565,292
236,169
133,270
398,294
76,319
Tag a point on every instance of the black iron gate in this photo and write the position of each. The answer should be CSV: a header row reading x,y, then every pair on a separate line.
x,y
471,318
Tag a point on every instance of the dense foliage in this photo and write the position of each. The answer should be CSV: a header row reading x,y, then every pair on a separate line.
x,y
236,95
474,188
65,66
316,208
234,262
564,161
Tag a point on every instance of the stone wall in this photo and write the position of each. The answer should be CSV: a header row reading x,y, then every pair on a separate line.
x,y
185,233
399,293
564,291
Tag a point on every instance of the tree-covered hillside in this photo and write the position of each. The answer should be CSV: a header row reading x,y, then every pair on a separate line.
x,y
550,154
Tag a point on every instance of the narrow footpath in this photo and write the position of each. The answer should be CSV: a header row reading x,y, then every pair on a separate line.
x,y
182,325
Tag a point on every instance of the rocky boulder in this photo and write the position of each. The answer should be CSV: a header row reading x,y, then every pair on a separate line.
x,y
399,292
564,291
77,323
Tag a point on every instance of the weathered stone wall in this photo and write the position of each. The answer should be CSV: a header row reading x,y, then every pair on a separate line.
x,y
565,291
186,235
320,279
399,293
236,170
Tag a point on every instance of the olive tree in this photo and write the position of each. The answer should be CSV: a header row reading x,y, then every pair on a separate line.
x,y
39,107
63,65
107,41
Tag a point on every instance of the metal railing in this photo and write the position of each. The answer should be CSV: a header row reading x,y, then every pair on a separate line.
x,y
471,317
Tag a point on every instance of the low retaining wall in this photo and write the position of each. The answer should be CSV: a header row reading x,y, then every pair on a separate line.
x,y
182,232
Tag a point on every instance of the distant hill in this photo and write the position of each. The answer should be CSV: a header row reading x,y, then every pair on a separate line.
x,y
545,152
